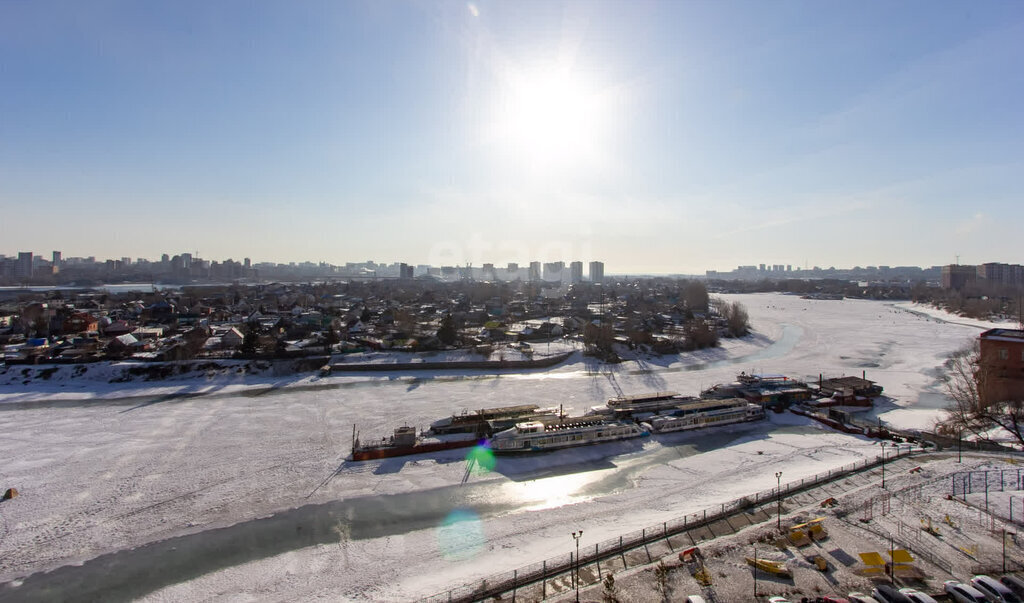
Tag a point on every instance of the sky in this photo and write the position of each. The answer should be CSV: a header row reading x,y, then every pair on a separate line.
x,y
659,137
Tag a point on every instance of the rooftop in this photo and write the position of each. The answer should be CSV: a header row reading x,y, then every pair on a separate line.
x,y
1004,334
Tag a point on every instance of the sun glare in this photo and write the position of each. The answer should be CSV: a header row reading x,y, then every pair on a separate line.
x,y
552,118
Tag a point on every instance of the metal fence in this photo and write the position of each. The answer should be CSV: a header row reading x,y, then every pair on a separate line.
x,y
993,480
915,545
590,558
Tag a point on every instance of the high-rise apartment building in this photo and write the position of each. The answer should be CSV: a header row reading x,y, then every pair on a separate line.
x,y
596,272
955,276
576,272
23,267
553,271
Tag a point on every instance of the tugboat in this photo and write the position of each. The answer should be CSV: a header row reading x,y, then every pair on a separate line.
x,y
405,442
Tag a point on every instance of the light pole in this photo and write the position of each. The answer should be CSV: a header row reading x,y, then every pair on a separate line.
x,y
1004,550
959,445
884,444
755,572
892,566
576,580
778,500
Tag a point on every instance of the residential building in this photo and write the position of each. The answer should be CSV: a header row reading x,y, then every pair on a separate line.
x,y
534,271
576,272
1001,366
596,272
955,276
23,268
553,271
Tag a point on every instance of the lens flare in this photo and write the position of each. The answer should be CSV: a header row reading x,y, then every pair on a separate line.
x,y
460,536
480,459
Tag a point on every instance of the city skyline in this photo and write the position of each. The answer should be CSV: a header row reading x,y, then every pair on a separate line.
x,y
671,137
29,265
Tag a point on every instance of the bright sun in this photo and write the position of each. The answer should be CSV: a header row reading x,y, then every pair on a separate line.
x,y
551,118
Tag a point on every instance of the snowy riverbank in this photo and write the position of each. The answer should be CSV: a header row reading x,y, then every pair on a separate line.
x,y
112,474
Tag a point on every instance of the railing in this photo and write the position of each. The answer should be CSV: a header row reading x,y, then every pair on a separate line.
x,y
920,551
963,483
542,571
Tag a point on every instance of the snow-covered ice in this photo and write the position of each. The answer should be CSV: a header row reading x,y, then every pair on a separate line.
x,y
115,466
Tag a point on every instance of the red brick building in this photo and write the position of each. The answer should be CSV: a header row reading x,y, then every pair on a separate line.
x,y
1001,365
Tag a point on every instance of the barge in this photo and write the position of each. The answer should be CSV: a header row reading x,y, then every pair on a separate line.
x,y
405,442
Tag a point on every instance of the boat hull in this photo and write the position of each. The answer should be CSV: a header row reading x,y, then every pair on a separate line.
x,y
383,452
551,448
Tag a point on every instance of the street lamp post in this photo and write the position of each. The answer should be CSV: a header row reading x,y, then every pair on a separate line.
x,y
884,444
778,500
755,572
576,574
1005,534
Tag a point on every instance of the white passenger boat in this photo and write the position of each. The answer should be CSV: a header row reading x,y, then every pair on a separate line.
x,y
707,413
534,436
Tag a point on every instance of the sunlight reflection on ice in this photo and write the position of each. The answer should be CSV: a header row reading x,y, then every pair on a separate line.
x,y
550,492
460,535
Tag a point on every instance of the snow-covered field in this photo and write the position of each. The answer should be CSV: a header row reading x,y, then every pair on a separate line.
x,y
115,466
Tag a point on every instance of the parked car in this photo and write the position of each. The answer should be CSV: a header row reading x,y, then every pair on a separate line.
x,y
888,594
862,598
695,599
917,596
833,599
994,590
1013,583
778,600
963,593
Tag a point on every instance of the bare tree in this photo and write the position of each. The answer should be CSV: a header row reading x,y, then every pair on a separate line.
x,y
611,592
966,381
661,576
736,318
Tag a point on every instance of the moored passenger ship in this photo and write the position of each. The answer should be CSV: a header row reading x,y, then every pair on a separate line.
x,y
707,413
535,436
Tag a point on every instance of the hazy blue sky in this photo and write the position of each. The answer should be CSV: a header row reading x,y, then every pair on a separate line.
x,y
659,136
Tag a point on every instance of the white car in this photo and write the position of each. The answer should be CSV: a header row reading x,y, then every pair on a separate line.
x,y
917,596
778,600
695,599
994,590
962,593
861,598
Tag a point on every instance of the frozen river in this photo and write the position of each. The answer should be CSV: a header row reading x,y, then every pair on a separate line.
x,y
244,492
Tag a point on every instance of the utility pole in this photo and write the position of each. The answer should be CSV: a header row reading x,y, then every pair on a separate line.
x,y
959,445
